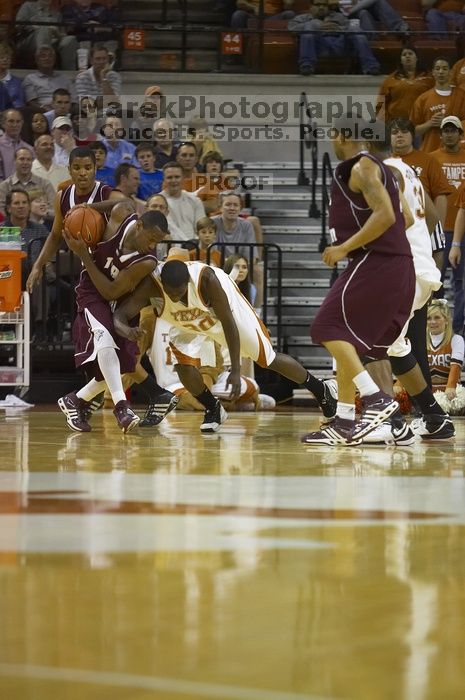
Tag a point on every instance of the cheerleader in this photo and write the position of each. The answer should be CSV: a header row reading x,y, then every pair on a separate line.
x,y
445,358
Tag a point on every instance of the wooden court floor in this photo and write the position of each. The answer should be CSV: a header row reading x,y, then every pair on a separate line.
x,y
168,565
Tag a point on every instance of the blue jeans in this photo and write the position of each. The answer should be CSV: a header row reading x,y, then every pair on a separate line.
x,y
436,21
371,11
311,46
240,18
457,281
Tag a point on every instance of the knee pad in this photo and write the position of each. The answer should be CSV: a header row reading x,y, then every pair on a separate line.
x,y
402,365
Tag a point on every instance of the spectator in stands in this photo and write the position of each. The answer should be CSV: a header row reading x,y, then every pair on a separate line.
x,y
142,126
90,22
99,79
64,141
44,166
428,170
40,85
203,140
84,120
12,83
334,38
26,180
118,149
440,12
151,179
369,12
31,35
166,148
104,172
206,234
18,208
127,180
209,185
457,74
400,89
430,108
39,209
272,9
11,122
158,202
35,125
5,99
233,230
185,208
451,158
239,267
61,106
187,159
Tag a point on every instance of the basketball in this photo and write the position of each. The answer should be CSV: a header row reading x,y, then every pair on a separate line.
x,y
85,222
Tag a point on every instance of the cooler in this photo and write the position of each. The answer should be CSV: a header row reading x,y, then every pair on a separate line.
x,y
10,279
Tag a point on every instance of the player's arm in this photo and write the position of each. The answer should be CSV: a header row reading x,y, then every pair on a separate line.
x,y
213,291
406,211
108,204
126,280
50,247
131,306
455,253
365,179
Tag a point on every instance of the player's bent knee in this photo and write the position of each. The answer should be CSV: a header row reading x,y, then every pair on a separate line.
x,y
402,365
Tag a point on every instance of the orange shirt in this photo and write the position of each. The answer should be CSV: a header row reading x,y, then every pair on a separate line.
x,y
457,76
397,94
448,6
270,7
431,103
460,198
215,256
453,167
430,173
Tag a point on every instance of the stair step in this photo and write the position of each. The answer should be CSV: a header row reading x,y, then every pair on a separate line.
x,y
303,284
284,213
296,301
313,229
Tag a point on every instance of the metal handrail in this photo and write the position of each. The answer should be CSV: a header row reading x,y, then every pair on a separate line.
x,y
306,129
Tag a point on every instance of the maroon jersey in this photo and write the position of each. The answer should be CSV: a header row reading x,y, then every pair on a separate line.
x,y
109,259
69,198
349,211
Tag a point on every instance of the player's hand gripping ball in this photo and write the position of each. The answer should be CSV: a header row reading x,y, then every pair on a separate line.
x,y
86,223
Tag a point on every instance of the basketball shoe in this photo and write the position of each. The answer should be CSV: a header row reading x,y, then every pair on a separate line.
x,y
213,419
125,416
387,434
433,426
336,432
376,408
76,411
156,411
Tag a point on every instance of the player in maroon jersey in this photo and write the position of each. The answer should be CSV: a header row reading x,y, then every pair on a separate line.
x,y
85,189
128,242
367,307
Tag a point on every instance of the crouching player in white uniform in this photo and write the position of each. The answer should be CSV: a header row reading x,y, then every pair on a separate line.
x,y
203,304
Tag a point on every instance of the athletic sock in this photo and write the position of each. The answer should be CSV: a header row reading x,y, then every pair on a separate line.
x,y
150,388
91,389
111,370
427,403
397,420
365,384
346,411
207,399
316,386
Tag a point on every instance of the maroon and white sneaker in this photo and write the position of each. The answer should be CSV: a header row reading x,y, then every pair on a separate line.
x,y
76,411
376,409
337,432
125,416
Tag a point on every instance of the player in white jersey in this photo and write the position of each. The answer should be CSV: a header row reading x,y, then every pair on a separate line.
x,y
436,424
204,305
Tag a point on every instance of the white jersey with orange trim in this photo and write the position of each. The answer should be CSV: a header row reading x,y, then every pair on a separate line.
x,y
196,320
417,234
